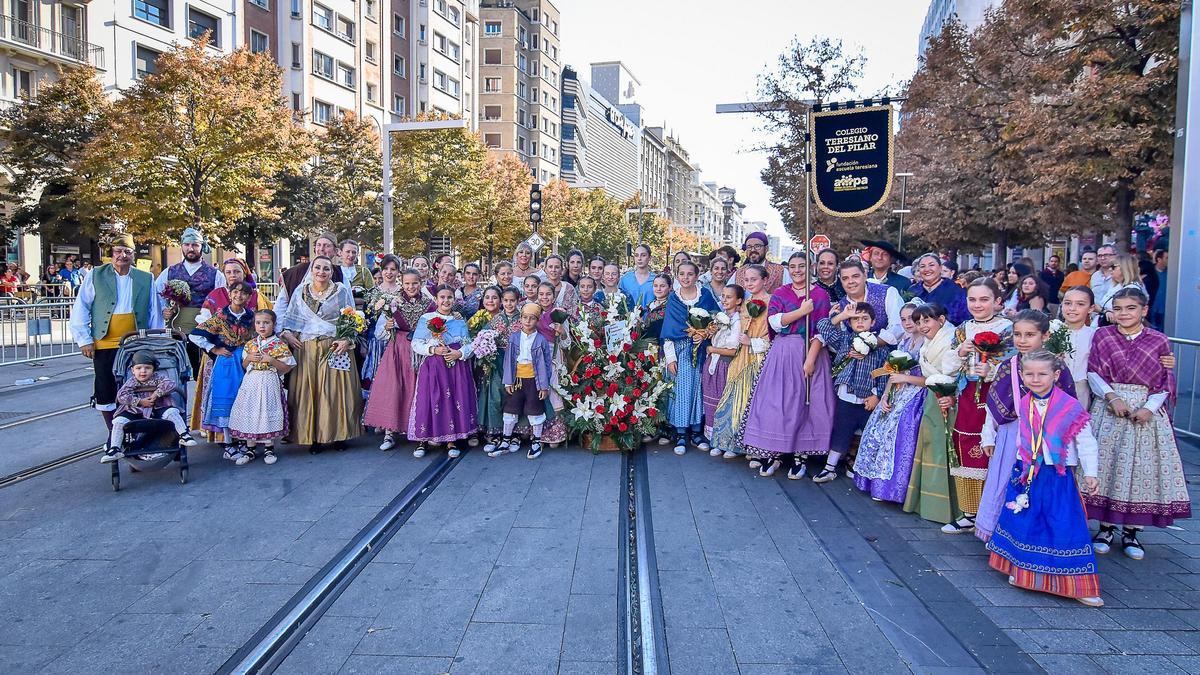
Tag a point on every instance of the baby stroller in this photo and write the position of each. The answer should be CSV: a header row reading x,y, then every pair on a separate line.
x,y
151,444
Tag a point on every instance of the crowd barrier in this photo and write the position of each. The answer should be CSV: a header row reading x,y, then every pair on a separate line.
x,y
1187,367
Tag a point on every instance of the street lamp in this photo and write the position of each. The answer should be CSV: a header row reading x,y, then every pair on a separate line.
x,y
901,211
385,142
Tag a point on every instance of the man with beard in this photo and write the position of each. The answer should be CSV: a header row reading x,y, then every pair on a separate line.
x,y
883,256
357,276
113,300
324,245
200,276
755,247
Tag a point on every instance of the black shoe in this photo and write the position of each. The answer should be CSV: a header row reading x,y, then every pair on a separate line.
x,y
316,449
340,446
535,449
1130,544
1102,542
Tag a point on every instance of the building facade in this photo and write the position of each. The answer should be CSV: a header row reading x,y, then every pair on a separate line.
x,y
520,110
707,212
676,197
600,146
733,231
971,13
653,171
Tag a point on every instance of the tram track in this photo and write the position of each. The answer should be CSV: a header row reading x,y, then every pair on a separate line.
x,y
46,467
643,635
268,648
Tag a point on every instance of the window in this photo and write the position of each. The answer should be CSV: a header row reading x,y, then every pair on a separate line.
x,y
491,113
295,101
200,23
345,75
491,85
545,98
372,92
421,72
399,24
439,42
439,6
297,55
534,15
491,57
568,162
157,12
454,15
521,143
522,64
421,33
398,65
535,94
259,42
345,28
522,90
440,81
491,28
553,129
322,17
22,83
533,147
323,65
521,117
491,140
568,133
261,3
569,102
322,112
297,12
398,104
146,62
535,42
533,66
554,27
370,9
372,51
545,125
522,36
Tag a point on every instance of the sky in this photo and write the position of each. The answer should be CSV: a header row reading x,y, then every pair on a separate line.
x,y
690,56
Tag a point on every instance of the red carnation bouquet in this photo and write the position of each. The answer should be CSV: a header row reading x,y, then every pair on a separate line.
x,y
987,344
437,328
756,308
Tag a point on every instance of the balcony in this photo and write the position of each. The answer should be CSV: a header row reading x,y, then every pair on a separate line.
x,y
29,36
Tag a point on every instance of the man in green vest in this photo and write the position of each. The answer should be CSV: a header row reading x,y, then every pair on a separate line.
x,y
113,300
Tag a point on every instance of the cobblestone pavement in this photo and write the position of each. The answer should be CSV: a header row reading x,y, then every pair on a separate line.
x,y
512,566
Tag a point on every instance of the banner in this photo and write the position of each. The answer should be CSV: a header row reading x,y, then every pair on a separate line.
x,y
852,159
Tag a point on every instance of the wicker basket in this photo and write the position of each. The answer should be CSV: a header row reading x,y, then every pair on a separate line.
x,y
607,444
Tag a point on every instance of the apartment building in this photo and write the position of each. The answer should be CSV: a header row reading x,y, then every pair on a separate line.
x,y
676,196
599,145
520,67
971,13
707,212
652,173
733,226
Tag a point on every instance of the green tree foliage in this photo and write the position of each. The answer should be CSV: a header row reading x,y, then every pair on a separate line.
x,y
601,229
504,209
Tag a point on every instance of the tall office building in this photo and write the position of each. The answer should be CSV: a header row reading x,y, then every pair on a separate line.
x,y
520,67
600,147
971,13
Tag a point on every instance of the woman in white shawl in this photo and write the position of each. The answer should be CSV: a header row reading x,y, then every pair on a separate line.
x,y
324,392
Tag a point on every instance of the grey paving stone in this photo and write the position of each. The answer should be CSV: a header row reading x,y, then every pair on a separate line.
x,y
700,650
27,658
506,648
1008,596
264,543
526,595
1136,665
1145,642
238,618
1066,663
588,668
1060,641
420,622
1142,599
831,668
1189,616
129,638
342,522
371,591
591,632
1154,619
532,548
1189,664
451,566
1077,617
596,571
560,513
327,646
1014,617
361,664
200,587
689,599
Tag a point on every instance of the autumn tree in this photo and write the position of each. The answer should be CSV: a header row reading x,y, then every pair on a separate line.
x,y
503,210
601,229
438,179
42,140
194,144
346,172
562,207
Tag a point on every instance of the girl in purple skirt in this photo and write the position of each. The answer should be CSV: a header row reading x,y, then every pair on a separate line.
x,y
444,407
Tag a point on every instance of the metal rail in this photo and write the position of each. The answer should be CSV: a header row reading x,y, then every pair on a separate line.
x,y
641,621
33,471
1184,414
270,646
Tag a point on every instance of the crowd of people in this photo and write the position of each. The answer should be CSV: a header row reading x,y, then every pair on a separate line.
x,y
934,390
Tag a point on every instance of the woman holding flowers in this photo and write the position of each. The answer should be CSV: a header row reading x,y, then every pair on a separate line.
x,y
377,305
982,342
754,338
885,453
791,411
395,380
685,333
721,351
324,393
930,492
444,406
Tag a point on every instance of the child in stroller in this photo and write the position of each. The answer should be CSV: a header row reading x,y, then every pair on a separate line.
x,y
145,395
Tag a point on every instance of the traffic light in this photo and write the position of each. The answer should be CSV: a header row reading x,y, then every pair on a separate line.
x,y
535,205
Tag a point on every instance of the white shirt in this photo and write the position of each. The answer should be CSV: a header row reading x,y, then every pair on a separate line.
x,y
1100,284
81,311
1077,361
161,282
1082,452
525,351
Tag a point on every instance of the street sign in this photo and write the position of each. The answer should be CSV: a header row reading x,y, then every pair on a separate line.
x,y
535,242
818,243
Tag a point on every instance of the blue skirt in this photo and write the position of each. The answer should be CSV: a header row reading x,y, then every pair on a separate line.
x,y
686,407
1051,535
227,374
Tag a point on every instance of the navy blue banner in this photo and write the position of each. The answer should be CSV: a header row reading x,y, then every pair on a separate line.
x,y
852,159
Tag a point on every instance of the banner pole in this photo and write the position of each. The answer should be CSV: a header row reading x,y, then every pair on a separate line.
x,y
807,258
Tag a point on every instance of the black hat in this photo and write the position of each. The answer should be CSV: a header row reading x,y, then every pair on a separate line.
x,y
145,357
887,246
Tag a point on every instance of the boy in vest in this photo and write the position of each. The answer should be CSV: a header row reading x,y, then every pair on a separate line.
x,y
113,300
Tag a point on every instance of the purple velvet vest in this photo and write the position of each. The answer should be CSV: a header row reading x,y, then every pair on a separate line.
x,y
201,283
877,299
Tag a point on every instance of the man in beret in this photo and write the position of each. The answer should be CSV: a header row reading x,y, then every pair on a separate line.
x,y
115,299
755,247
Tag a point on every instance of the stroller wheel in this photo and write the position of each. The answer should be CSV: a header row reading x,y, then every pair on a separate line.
x,y
183,473
116,482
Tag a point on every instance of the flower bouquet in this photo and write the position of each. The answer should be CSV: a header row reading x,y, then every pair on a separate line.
x,y
987,344
756,308
437,328
350,323
178,294
862,343
483,347
614,392
940,386
1059,342
479,321
898,361
698,321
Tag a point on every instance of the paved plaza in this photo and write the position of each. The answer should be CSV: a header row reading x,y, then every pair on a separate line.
x,y
512,566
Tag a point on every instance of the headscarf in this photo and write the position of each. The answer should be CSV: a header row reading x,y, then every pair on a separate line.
x,y
245,268
193,236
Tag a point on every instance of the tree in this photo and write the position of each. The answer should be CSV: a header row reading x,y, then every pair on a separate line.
x,y
561,208
43,142
438,179
195,144
347,172
504,209
602,228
